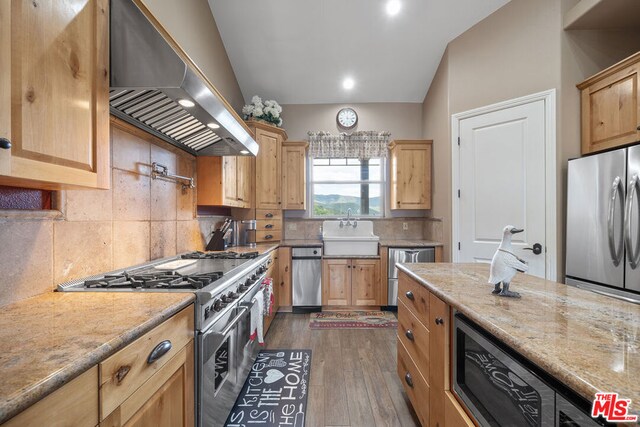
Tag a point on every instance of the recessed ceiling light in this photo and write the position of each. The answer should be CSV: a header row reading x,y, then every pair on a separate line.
x,y
244,152
213,125
348,83
393,7
186,103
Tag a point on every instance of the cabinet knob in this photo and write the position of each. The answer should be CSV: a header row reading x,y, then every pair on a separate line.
x,y
408,379
268,236
638,127
269,215
268,226
439,321
409,335
5,143
409,295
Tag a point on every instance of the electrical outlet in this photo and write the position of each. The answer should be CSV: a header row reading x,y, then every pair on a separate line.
x,y
292,226
405,226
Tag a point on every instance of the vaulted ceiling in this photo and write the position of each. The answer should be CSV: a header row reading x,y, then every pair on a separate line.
x,y
300,51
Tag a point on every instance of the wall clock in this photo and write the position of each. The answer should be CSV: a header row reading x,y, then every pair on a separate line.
x,y
347,118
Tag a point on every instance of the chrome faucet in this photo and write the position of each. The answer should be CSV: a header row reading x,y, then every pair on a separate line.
x,y
348,217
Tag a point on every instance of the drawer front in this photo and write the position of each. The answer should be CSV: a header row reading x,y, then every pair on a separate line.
x,y
415,338
414,296
268,224
414,385
268,236
269,214
124,372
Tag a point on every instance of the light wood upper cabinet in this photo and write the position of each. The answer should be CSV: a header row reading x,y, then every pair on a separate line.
x,y
224,181
268,172
411,174
54,94
351,282
294,175
611,107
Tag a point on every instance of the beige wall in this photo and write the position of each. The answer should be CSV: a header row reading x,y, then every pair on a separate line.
x,y
193,26
518,50
403,120
137,220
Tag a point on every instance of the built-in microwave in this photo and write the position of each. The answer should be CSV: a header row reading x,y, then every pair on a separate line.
x,y
500,390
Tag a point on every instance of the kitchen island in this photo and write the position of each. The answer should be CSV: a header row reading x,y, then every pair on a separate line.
x,y
586,341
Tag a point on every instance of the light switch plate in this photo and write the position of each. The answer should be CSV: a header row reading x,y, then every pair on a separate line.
x,y
405,226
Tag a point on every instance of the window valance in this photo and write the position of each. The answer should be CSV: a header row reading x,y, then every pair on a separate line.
x,y
357,145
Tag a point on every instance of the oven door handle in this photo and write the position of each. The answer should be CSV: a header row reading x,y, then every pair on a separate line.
x,y
209,348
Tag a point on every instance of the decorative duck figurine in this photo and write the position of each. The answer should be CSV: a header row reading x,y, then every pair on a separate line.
x,y
505,264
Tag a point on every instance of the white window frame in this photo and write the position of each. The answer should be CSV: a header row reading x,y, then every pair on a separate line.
x,y
382,182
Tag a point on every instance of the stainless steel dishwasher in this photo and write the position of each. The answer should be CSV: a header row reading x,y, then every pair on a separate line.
x,y
307,279
404,256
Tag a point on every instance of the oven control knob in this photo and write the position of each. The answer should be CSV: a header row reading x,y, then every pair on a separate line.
x,y
217,305
247,283
254,277
232,295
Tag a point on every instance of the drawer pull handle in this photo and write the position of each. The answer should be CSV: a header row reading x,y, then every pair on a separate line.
x,y
5,143
160,350
268,236
268,226
409,334
439,321
410,296
269,215
408,379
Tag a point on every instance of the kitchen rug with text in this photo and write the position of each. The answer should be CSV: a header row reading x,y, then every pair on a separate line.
x,y
353,320
275,393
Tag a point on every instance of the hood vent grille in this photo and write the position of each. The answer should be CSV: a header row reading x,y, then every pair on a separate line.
x,y
163,115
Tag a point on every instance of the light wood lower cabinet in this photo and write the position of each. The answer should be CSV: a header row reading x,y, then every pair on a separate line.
x,y
351,282
165,400
424,330
75,404
285,295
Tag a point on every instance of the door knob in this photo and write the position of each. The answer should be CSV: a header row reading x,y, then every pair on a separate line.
x,y
536,249
5,143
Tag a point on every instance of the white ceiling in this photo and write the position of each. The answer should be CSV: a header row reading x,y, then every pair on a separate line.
x,y
299,51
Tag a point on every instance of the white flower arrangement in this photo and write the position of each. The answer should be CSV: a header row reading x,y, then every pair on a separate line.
x,y
269,110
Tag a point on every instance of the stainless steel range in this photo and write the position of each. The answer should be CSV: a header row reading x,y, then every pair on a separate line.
x,y
225,284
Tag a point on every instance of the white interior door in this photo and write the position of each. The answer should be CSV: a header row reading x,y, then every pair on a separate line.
x,y
502,182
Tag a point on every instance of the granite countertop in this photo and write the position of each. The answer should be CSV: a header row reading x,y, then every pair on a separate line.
x,y
587,341
301,243
409,243
48,340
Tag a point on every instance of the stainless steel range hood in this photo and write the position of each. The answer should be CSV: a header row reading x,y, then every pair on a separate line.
x,y
150,81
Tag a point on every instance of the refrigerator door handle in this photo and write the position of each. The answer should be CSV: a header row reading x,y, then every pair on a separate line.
x,y
615,250
633,253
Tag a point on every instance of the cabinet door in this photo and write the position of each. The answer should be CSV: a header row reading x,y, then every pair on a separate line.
x,y
411,175
439,358
268,170
284,276
611,109
365,282
58,75
165,400
244,171
230,181
336,282
294,174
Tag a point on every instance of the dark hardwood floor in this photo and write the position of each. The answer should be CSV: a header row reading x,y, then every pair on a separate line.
x,y
353,373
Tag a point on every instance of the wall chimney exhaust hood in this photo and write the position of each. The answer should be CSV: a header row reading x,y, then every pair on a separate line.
x,y
157,88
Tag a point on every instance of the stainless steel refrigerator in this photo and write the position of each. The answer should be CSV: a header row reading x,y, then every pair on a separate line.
x,y
603,223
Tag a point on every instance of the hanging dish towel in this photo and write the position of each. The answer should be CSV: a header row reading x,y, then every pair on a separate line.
x,y
267,287
257,319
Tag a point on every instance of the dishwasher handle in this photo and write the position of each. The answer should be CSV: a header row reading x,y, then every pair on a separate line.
x,y
305,257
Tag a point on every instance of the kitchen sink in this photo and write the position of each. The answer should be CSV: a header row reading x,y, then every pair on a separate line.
x,y
349,240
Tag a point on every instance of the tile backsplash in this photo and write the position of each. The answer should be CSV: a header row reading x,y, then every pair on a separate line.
x,y
137,220
386,228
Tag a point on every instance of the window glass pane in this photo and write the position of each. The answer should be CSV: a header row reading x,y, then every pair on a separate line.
x,y
334,199
347,170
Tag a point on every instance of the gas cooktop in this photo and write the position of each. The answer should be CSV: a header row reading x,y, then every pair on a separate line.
x,y
220,255
153,280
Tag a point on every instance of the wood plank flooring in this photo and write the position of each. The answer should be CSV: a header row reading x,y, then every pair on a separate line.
x,y
353,373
